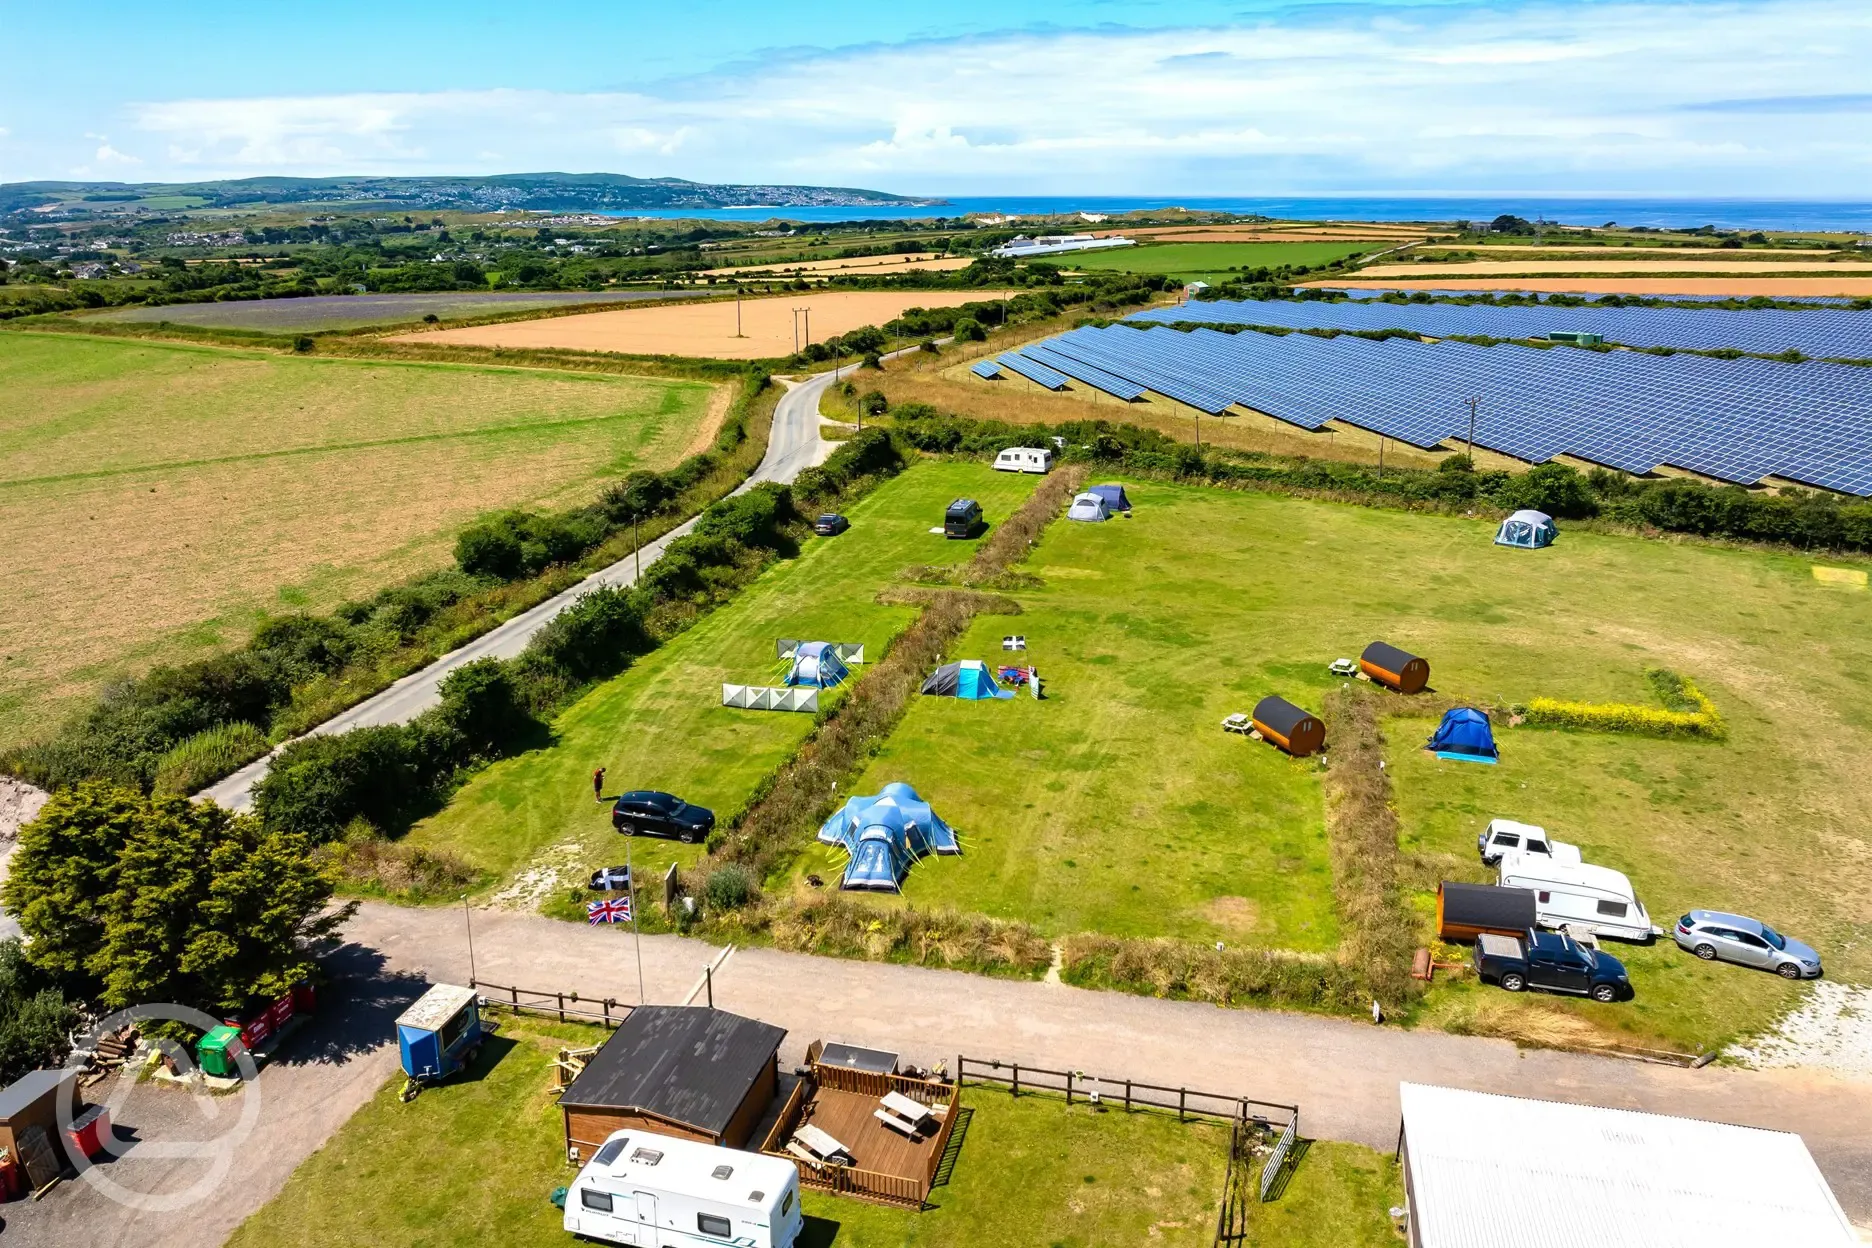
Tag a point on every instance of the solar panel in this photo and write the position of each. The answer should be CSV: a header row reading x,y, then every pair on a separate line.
x,y
1032,370
985,369
1733,420
1829,333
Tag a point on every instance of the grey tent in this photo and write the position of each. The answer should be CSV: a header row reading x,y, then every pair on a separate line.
x,y
1088,506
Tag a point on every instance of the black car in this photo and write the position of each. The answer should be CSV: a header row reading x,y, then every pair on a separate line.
x,y
650,813
1550,962
831,524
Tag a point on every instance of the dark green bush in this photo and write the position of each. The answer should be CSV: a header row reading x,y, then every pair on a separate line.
x,y
728,887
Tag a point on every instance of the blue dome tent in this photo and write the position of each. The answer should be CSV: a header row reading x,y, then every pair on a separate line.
x,y
884,834
1464,736
817,664
970,678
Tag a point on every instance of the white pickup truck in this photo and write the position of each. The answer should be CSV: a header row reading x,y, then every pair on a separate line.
x,y
1505,837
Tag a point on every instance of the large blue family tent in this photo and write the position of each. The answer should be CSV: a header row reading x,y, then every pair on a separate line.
x,y
970,678
884,834
816,664
1465,736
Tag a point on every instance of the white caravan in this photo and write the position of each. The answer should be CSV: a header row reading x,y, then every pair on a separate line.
x,y
657,1191
1579,898
1024,459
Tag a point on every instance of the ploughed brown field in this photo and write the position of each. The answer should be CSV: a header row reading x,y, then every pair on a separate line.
x,y
708,329
1853,285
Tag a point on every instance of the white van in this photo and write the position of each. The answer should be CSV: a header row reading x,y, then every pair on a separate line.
x,y
1024,459
1581,898
654,1191
1505,836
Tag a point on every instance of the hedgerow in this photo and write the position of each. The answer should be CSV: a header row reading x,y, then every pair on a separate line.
x,y
1672,720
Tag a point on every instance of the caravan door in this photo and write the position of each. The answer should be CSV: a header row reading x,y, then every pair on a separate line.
x,y
647,1215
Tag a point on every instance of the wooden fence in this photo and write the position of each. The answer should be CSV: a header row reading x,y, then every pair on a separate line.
x,y
1128,1094
565,1006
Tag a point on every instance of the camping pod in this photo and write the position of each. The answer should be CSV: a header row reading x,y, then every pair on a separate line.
x,y
1465,911
1394,669
1289,727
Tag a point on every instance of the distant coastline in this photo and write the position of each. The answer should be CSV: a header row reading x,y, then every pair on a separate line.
x,y
1658,213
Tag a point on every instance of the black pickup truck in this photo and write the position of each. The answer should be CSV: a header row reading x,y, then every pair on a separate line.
x,y
1550,962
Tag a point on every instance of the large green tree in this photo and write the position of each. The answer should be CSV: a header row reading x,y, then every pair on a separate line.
x,y
34,1016
140,899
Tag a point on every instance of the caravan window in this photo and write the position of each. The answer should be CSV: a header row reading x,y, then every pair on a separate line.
x,y
609,1153
709,1224
1545,898
786,1204
1613,909
595,1200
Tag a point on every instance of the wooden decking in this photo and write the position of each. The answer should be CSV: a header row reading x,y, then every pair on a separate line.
x,y
890,1167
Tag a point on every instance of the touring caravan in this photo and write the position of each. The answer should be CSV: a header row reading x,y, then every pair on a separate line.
x,y
1024,459
1579,897
650,1191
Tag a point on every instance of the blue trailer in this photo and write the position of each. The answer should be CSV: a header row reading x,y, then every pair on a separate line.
x,y
438,1036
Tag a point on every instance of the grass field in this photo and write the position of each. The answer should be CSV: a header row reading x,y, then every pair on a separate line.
x,y
474,1161
660,725
1212,259
768,327
157,499
323,312
1118,804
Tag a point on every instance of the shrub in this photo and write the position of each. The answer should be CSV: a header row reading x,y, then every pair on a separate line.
x,y
1688,713
481,705
728,887
874,403
594,636
319,784
214,752
1553,488
35,1018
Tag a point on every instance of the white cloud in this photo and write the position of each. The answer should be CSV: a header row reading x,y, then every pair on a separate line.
x,y
1598,97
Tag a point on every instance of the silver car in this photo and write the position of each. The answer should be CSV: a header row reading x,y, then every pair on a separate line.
x,y
1715,936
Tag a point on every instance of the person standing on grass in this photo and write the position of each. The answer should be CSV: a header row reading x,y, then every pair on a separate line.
x,y
598,785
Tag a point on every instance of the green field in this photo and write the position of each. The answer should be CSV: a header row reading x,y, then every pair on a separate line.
x,y
1213,261
319,313
1119,805
661,725
474,1161
157,498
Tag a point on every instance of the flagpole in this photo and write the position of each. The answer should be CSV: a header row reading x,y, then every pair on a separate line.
x,y
636,932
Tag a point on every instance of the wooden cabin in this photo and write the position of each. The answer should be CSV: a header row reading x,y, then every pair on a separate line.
x,y
1286,725
1393,668
1465,911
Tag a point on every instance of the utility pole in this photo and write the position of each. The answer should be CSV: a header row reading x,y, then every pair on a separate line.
x,y
795,331
1473,401
808,311
466,918
630,882
1381,442
737,312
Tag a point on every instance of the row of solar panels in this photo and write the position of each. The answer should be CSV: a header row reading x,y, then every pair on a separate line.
x,y
1739,421
1376,292
1833,333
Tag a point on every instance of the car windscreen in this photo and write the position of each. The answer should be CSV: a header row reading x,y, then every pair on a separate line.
x,y
828,519
1773,937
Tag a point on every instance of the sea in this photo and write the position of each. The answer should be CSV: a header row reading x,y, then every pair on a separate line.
x,y
1665,214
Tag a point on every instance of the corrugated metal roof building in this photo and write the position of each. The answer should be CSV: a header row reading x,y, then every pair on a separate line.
x,y
1488,1171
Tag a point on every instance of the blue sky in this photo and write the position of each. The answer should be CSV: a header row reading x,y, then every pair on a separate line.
x,y
1747,98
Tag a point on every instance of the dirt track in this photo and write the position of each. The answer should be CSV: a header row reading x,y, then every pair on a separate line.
x,y
708,329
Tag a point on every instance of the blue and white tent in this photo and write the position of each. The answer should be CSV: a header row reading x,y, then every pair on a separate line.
x,y
884,834
1530,530
817,664
970,678
1465,736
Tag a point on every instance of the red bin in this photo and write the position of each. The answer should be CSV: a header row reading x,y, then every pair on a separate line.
x,y
12,1178
88,1131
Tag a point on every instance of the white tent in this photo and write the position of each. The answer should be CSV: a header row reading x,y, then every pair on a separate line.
x,y
1088,507
1529,530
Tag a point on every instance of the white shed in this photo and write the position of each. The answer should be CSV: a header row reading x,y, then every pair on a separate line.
x,y
1489,1171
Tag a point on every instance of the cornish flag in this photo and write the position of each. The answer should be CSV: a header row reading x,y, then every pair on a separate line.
x,y
616,910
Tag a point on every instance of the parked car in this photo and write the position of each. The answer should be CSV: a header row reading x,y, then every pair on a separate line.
x,y
1718,937
962,518
1550,962
647,812
1505,836
831,524
606,879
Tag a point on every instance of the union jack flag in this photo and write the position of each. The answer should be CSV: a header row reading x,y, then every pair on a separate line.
x,y
615,910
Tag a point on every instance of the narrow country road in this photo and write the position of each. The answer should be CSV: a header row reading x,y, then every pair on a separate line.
x,y
793,446
1343,1074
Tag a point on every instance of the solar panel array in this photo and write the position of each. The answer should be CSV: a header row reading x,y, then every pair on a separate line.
x,y
1377,292
1834,333
1033,371
987,370
1735,420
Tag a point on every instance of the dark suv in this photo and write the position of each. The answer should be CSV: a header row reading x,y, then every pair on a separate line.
x,y
650,813
1550,962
